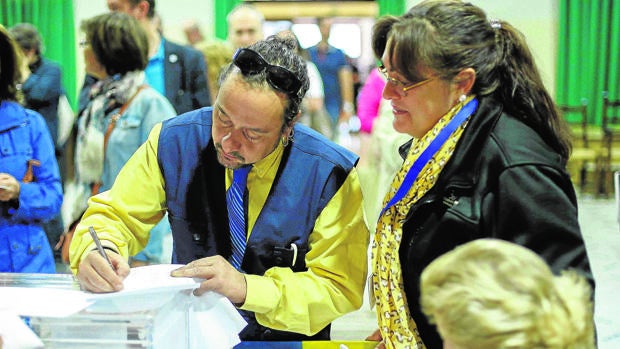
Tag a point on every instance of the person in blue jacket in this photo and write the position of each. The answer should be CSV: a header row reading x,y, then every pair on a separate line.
x,y
30,188
42,87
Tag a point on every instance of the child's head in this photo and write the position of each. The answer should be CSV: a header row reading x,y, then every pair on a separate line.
x,y
496,294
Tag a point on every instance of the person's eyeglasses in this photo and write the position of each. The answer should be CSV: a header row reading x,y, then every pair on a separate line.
x,y
251,63
84,43
404,86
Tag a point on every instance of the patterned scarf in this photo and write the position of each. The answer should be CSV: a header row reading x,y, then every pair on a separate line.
x,y
105,97
395,323
110,94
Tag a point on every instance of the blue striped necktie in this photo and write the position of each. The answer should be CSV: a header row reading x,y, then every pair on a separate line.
x,y
236,214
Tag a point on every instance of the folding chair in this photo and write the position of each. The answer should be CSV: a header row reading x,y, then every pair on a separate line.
x,y
611,141
585,154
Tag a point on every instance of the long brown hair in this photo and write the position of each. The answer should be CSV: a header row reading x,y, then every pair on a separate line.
x,y
9,66
449,36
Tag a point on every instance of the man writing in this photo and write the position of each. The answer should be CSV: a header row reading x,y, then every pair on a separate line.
x,y
301,261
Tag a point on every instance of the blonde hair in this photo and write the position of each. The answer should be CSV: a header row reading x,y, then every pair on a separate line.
x,y
491,293
217,54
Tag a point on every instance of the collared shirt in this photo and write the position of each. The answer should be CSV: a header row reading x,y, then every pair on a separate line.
x,y
155,70
259,183
303,302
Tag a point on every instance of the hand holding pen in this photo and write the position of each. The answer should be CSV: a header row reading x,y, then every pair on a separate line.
x,y
93,234
101,272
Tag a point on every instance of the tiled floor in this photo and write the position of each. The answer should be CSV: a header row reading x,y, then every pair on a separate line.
x,y
601,232
599,223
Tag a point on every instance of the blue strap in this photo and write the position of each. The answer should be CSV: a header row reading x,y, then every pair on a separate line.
x,y
430,151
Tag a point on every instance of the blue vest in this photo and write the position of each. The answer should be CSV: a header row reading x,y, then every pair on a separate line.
x,y
310,173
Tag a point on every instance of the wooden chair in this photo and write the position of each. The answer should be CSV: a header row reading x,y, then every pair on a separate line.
x,y
611,141
585,155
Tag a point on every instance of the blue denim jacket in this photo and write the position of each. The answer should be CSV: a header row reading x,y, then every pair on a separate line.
x,y
23,244
132,129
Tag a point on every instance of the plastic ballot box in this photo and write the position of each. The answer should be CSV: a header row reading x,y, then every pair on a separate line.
x,y
155,320
162,326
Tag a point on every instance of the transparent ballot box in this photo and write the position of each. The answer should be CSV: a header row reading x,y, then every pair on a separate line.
x,y
149,320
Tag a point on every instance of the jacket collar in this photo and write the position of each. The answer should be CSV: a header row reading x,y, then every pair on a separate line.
x,y
11,115
460,168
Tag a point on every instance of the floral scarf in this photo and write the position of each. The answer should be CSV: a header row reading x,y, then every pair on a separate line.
x,y
395,323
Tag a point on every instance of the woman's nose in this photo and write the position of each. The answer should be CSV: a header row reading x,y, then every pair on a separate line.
x,y
389,91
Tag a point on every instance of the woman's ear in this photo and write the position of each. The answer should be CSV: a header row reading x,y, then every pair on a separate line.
x,y
464,81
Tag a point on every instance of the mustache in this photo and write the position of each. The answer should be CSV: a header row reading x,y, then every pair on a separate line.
x,y
235,154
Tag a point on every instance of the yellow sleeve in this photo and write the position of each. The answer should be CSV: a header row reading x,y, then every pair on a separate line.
x,y
333,285
124,215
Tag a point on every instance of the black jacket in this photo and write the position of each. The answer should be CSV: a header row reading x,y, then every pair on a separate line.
x,y
503,181
185,72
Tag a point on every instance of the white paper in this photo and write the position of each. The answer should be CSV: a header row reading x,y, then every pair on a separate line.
x,y
151,279
15,334
214,322
44,302
145,288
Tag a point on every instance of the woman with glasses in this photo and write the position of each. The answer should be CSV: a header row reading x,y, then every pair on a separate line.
x,y
121,111
30,188
486,158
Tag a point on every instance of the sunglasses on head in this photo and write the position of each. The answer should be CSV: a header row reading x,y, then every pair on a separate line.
x,y
251,63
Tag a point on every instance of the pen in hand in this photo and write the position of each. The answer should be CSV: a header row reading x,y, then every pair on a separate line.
x,y
93,234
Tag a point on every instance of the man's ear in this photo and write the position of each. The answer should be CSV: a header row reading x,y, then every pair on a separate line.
x,y
288,129
464,80
141,10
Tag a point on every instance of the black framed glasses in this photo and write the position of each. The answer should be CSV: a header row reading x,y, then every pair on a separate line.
x,y
251,62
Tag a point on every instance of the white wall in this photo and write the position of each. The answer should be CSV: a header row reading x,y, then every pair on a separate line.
x,y
173,13
537,20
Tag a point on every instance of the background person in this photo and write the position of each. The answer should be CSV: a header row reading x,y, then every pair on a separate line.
x,y
292,255
313,113
494,294
41,84
175,71
245,25
336,74
193,33
369,99
121,111
30,188
42,87
217,54
487,156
